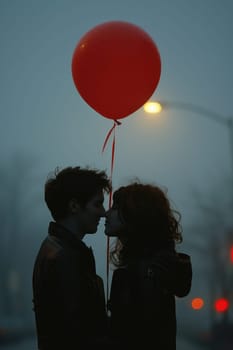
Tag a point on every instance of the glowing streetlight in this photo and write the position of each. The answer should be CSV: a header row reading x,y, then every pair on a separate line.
x,y
226,121
152,107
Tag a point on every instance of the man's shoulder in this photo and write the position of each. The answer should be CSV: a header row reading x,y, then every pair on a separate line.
x,y
50,248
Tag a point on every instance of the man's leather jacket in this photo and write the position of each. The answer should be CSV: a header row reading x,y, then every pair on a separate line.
x,y
68,296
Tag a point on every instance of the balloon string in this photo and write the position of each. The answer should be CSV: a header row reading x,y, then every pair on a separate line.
x,y
116,122
112,130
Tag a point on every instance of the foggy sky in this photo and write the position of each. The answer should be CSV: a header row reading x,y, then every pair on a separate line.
x,y
42,114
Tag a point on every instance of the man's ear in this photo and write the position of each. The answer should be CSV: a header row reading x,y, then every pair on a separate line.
x,y
74,206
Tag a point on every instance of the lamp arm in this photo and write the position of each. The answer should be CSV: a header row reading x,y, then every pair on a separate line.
x,y
199,110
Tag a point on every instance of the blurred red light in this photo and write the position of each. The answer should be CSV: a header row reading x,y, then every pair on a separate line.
x,y
221,305
197,303
231,254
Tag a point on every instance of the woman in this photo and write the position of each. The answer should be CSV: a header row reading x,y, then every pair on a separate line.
x,y
149,272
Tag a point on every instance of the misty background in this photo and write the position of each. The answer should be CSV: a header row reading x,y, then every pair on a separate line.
x,y
46,124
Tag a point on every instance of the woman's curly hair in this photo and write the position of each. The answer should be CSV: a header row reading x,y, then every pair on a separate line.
x,y
150,222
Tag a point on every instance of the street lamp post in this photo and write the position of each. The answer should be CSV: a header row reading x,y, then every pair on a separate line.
x,y
156,107
227,122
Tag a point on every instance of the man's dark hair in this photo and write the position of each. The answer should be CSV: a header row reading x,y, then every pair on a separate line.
x,y
73,183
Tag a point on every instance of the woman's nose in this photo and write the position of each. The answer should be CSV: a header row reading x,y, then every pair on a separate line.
x,y
103,212
107,213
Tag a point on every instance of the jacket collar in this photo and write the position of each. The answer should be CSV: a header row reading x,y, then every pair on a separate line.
x,y
59,231
62,233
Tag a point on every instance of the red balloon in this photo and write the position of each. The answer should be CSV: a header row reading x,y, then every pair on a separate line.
x,y
116,67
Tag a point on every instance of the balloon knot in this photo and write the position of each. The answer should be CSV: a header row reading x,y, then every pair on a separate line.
x,y
117,122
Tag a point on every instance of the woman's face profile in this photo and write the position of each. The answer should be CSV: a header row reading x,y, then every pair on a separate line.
x,y
114,224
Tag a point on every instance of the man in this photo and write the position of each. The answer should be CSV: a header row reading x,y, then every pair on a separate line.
x,y
68,296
